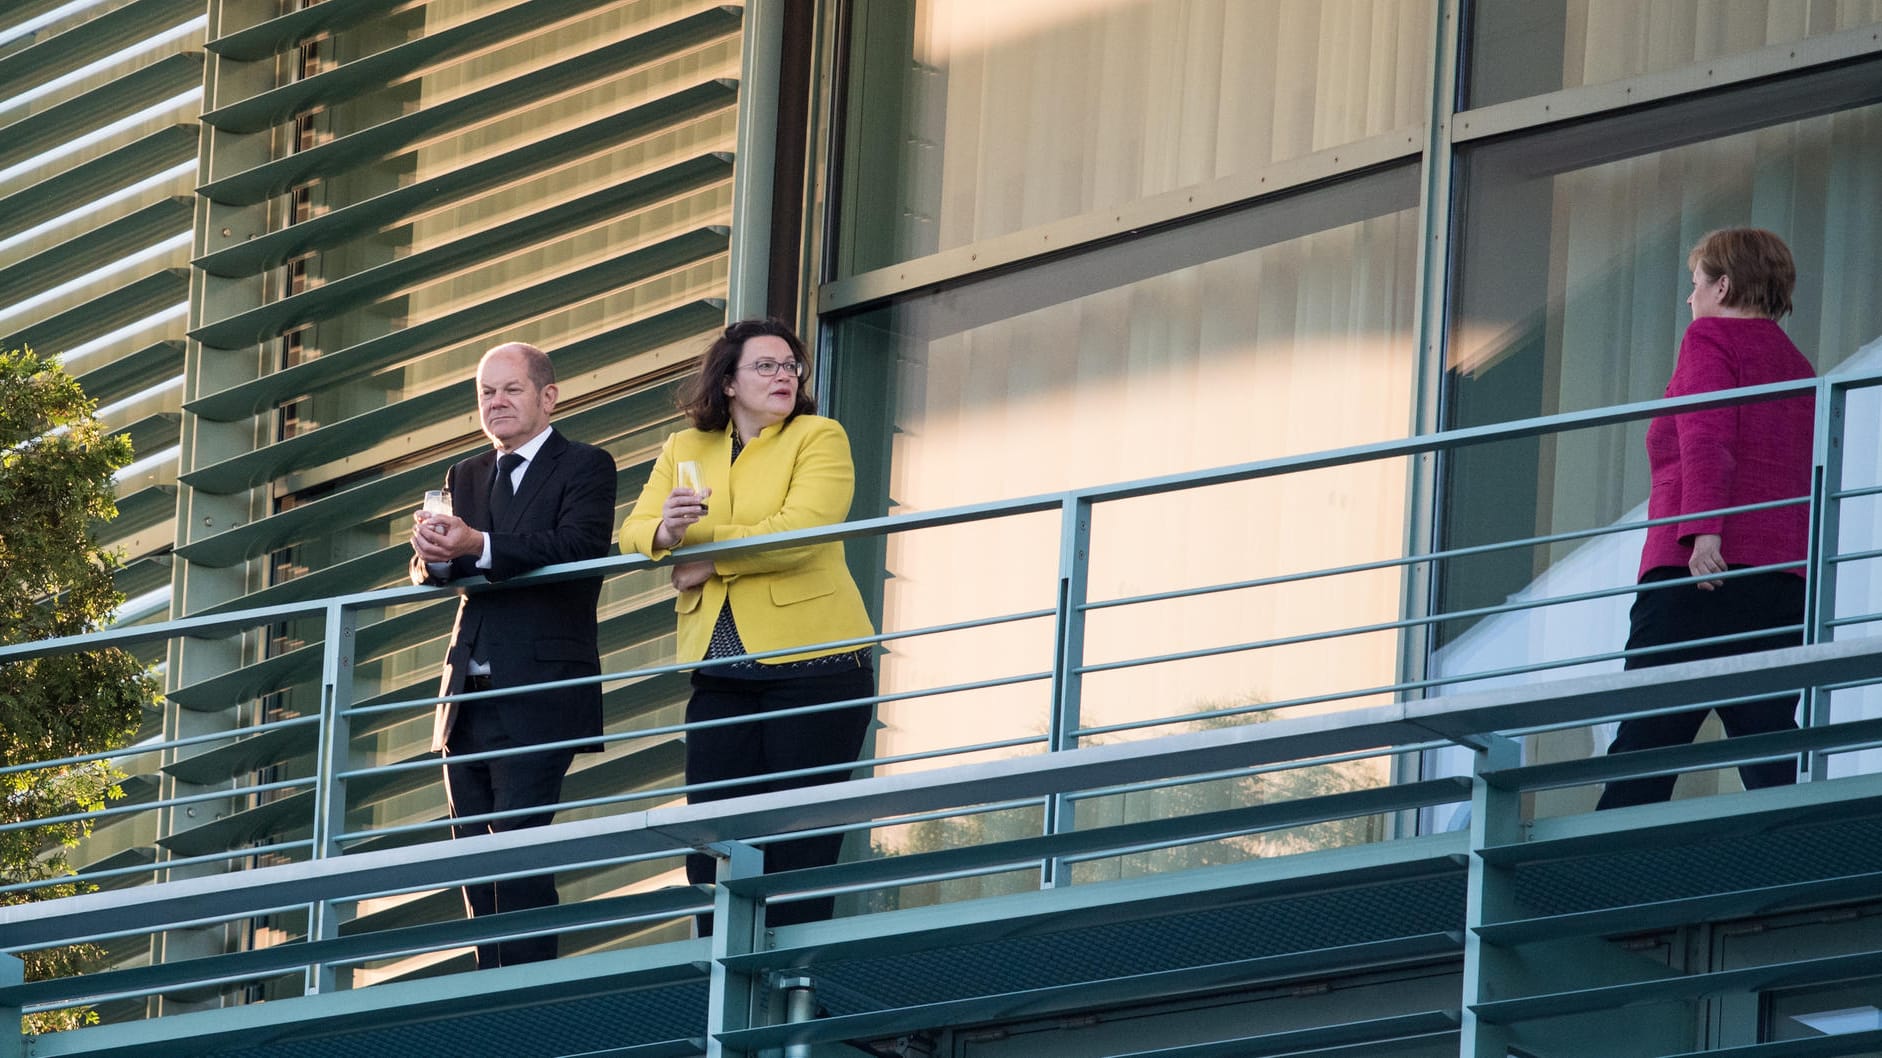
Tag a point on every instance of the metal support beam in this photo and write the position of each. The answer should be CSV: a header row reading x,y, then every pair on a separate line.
x,y
1067,680
747,287
1495,819
336,739
1826,513
736,932
12,1033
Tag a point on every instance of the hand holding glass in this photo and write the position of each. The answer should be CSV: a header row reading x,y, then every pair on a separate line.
x,y
689,478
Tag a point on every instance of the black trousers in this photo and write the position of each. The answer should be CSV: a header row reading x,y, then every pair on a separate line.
x,y
762,747
523,781
1678,615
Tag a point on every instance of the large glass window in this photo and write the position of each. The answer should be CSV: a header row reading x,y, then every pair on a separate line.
x,y
1570,296
1283,329
1527,47
970,119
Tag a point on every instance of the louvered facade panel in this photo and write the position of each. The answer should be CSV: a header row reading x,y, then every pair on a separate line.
x,y
272,239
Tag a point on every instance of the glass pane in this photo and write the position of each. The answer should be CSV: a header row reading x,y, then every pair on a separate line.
x,y
1570,296
1284,329
969,119
1522,48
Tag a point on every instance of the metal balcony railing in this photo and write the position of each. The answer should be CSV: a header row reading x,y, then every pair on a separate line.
x,y
342,863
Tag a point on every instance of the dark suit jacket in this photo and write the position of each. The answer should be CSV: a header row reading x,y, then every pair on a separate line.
x,y
564,512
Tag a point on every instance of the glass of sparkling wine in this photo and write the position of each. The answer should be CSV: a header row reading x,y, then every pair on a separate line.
x,y
438,501
689,478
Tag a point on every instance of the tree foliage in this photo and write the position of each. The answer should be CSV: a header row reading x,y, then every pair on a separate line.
x,y
56,487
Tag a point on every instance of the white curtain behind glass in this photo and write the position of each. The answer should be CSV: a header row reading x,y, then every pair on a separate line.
x,y
1022,113
1293,348
1611,39
1296,347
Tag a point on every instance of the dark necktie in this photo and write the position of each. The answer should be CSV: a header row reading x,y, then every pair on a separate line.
x,y
505,493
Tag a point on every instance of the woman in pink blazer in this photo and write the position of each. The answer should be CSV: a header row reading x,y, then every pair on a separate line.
x,y
1725,457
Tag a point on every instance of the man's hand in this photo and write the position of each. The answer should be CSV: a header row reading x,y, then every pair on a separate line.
x,y
443,537
1706,559
690,575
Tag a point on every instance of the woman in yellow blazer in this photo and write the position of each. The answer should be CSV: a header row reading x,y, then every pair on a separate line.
x,y
765,463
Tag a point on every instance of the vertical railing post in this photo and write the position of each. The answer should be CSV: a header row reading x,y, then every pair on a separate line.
x,y
730,1000
336,697
1826,480
1495,819
1068,657
12,1033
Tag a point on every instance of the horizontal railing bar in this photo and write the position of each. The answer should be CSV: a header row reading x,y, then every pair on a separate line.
x,y
675,791
563,846
1412,685
683,727
1252,771
685,666
354,948
1460,615
1115,839
1442,556
1236,773
145,806
919,817
1853,556
1856,493
1664,760
157,866
904,522
137,749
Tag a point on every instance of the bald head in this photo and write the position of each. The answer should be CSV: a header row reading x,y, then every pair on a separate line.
x,y
535,362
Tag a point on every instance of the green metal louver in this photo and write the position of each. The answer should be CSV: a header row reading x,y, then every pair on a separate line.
x,y
348,222
347,152
460,398
167,77
387,67
474,248
250,398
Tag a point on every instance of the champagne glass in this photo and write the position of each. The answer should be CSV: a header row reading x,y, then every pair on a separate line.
x,y
690,478
438,501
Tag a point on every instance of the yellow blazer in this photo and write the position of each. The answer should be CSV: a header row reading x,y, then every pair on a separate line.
x,y
794,475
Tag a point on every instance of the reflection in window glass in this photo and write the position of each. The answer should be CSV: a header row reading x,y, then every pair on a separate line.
x,y
1285,329
976,118
1522,48
1570,297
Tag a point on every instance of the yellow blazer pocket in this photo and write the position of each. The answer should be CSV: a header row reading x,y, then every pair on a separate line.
x,y
800,587
688,601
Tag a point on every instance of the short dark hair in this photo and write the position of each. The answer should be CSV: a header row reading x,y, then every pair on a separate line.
x,y
703,398
1757,262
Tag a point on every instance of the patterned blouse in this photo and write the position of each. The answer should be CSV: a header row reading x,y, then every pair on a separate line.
x,y
727,644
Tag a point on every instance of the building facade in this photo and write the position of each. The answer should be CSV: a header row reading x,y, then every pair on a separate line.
x,y
1035,247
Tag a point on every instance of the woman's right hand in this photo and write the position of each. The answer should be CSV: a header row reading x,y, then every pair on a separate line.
x,y
682,508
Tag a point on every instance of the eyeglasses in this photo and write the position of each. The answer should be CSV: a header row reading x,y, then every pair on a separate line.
x,y
769,368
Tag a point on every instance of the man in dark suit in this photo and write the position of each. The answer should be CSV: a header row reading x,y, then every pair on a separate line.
x,y
536,499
